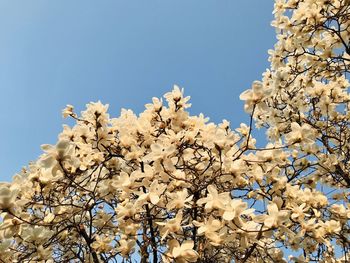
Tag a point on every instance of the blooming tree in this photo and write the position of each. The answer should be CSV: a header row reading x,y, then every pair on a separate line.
x,y
166,186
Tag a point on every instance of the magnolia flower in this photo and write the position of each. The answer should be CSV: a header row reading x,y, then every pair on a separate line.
x,y
47,176
61,151
126,247
274,218
155,191
160,151
298,212
179,200
308,226
340,211
235,209
254,95
125,209
182,253
103,219
156,104
243,129
176,96
171,226
102,243
9,226
210,228
332,226
214,200
67,111
36,234
128,227
95,110
123,181
7,197
299,133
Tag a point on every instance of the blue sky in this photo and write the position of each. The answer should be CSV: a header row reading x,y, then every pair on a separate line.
x,y
54,53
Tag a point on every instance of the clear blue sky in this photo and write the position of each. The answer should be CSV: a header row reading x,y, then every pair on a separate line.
x,y
54,53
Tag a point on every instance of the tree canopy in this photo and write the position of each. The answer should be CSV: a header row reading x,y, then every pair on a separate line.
x,y
166,186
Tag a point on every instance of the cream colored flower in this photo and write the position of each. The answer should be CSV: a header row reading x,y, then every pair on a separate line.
x,y
7,197
274,218
67,111
211,230
171,226
214,200
183,253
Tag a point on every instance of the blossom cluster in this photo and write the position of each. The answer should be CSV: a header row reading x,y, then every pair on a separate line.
x,y
303,100
166,186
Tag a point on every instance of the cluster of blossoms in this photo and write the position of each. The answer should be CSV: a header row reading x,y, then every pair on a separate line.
x,y
166,186
303,102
